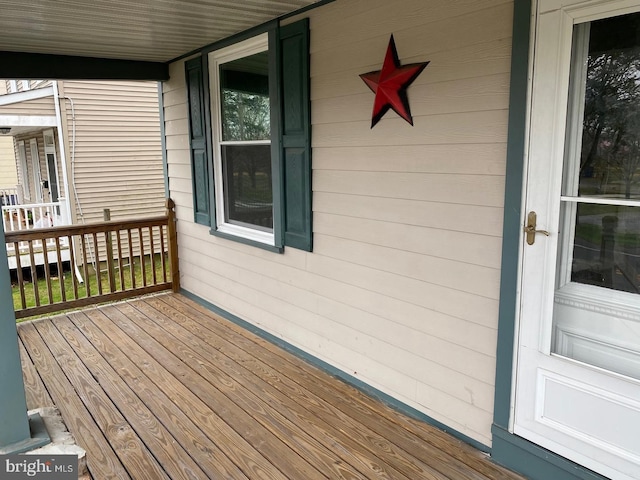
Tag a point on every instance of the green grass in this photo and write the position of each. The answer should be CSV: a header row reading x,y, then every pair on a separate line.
x,y
67,278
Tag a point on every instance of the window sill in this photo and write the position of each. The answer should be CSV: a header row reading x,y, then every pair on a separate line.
x,y
247,241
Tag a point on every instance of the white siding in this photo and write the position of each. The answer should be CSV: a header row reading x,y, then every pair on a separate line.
x,y
402,288
117,156
8,173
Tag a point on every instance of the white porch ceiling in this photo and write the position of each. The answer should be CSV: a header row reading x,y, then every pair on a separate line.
x,y
150,30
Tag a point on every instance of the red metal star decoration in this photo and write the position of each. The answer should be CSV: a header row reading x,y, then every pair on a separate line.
x,y
390,85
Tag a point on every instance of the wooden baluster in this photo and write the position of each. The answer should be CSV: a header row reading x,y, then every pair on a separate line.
x,y
163,261
142,265
131,260
72,266
154,276
121,272
109,247
23,298
87,280
34,273
63,293
47,273
96,257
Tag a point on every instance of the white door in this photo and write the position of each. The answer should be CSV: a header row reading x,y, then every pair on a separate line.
x,y
578,372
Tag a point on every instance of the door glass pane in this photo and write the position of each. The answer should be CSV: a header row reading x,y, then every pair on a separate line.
x,y
610,157
597,306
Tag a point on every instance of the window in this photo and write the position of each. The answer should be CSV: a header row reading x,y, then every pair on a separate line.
x,y
241,123
250,139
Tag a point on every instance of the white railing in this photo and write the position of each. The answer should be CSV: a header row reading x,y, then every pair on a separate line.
x,y
10,195
33,216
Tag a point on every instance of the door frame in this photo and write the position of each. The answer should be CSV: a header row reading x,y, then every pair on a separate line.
x,y
509,449
37,170
51,150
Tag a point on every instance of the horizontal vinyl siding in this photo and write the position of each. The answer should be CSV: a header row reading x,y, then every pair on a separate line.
x,y
117,156
8,173
401,290
37,107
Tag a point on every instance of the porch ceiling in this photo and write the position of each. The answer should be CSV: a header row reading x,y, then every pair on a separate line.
x,y
143,30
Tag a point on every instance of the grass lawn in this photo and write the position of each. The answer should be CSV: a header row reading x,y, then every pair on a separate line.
x,y
66,278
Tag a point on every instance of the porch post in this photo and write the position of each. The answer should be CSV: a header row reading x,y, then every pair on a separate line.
x,y
15,431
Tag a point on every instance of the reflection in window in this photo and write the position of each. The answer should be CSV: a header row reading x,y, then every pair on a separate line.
x,y
607,247
244,85
610,160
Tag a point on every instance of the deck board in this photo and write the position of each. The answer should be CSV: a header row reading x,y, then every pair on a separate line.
x,y
160,387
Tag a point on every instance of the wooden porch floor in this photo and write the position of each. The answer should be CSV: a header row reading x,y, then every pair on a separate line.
x,y
161,388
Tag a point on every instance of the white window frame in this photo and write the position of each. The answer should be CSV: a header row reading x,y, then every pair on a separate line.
x,y
254,45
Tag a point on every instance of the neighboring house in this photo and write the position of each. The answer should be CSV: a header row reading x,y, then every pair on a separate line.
x,y
8,171
91,144
80,148
478,268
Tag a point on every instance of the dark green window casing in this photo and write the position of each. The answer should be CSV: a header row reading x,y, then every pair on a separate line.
x,y
296,134
198,141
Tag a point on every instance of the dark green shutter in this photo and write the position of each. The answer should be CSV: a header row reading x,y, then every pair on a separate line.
x,y
296,134
198,141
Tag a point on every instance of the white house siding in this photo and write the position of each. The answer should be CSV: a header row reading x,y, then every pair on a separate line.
x,y
8,173
39,107
401,290
117,155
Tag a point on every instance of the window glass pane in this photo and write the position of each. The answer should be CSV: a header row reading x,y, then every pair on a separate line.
x,y
610,158
247,185
244,93
607,247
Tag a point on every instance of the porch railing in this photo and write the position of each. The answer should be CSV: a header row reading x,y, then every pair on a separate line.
x,y
33,216
10,195
118,260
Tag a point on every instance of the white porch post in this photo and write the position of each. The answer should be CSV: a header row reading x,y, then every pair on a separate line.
x,y
63,152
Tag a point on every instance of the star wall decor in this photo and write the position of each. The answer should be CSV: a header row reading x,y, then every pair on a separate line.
x,y
390,85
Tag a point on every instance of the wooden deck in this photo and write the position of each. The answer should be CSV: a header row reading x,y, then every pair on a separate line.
x,y
161,388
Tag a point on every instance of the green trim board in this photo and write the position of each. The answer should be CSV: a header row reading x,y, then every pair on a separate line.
x,y
512,210
335,372
533,461
44,66
163,141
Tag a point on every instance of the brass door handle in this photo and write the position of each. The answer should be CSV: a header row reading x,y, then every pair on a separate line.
x,y
530,228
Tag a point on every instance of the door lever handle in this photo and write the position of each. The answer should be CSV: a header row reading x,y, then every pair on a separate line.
x,y
530,228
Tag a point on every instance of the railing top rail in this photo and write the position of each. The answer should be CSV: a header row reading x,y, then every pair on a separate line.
x,y
67,230
27,206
